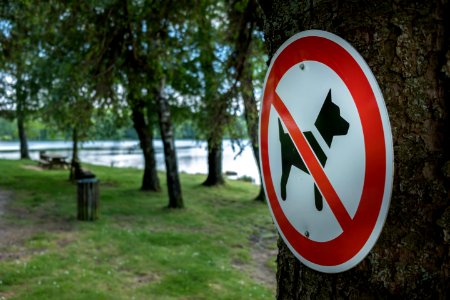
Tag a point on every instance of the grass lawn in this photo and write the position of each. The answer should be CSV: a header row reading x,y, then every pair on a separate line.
x,y
221,246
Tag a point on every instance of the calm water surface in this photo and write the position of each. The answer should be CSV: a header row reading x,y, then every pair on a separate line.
x,y
192,155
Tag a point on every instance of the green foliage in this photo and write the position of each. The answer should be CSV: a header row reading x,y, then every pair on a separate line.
x,y
37,130
185,130
8,130
105,127
19,53
138,248
87,65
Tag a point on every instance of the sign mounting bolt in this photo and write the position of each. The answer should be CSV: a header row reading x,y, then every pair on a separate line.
x,y
302,66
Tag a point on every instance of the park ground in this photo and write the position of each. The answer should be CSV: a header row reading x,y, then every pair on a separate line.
x,y
221,246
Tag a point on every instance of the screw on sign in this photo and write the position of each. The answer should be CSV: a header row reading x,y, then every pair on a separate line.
x,y
326,151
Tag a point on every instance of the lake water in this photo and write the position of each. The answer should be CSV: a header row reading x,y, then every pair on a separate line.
x,y
192,155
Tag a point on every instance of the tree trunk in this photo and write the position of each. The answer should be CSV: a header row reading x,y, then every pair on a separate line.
x,y
144,128
251,119
170,156
215,117
20,113
150,180
24,153
405,44
215,176
75,158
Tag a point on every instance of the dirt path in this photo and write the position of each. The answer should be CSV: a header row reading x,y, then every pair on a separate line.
x,y
14,233
4,198
8,234
263,252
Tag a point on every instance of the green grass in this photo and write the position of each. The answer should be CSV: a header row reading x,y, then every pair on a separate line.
x,y
138,249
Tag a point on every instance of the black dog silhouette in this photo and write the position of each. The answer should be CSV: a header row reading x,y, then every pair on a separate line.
x,y
329,123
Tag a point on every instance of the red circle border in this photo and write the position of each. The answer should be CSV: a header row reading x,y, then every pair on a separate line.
x,y
344,247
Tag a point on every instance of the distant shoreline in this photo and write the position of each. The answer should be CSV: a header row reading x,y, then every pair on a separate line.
x,y
191,155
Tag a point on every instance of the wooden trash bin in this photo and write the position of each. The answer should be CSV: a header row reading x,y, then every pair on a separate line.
x,y
88,201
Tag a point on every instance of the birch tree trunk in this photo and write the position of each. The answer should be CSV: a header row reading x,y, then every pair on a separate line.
x,y
170,156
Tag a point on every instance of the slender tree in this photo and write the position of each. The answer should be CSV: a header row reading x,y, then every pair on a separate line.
x,y
66,95
213,116
222,71
251,118
142,105
143,120
20,95
405,44
139,36
95,63
165,125
19,51
245,19
164,39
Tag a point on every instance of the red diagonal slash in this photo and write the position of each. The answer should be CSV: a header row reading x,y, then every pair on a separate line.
x,y
313,165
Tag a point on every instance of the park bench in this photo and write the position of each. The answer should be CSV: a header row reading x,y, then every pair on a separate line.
x,y
50,161
43,163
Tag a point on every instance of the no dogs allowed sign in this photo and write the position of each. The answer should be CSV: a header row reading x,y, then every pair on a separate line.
x,y
326,151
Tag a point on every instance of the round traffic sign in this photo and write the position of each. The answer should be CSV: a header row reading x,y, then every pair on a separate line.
x,y
326,151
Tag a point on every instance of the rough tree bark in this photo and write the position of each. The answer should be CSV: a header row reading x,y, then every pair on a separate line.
x,y
405,44
170,156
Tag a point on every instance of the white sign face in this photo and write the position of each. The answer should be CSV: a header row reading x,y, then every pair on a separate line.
x,y
326,151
